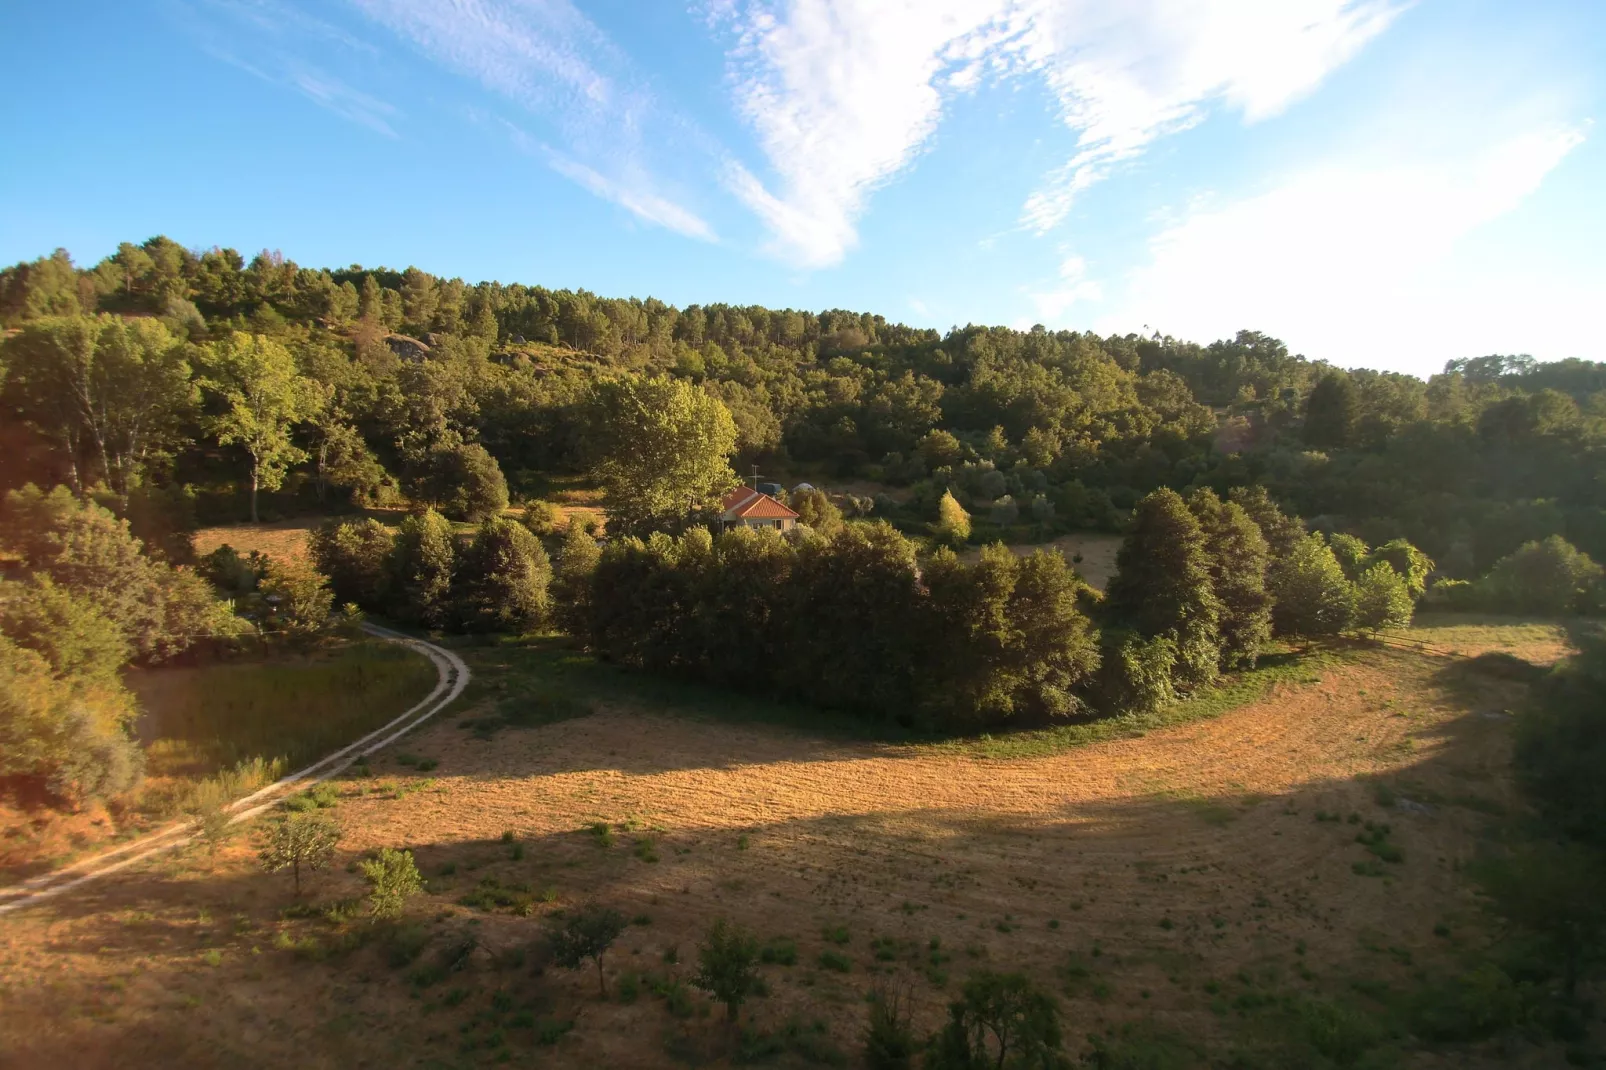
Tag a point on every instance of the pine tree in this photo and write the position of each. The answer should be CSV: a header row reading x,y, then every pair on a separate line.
x,y
1162,585
571,583
1330,413
953,523
1239,558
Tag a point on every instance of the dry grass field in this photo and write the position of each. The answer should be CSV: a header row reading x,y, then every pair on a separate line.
x,y
1199,892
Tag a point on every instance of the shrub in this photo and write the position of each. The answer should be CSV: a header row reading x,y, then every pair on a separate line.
x,y
586,934
1135,675
540,518
393,879
355,555
727,965
1551,577
300,840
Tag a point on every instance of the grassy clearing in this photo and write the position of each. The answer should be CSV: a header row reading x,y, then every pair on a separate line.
x,y
203,719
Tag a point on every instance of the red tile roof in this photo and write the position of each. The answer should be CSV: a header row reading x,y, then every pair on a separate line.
x,y
736,497
758,507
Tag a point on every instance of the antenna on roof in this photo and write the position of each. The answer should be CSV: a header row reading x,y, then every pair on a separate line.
x,y
755,477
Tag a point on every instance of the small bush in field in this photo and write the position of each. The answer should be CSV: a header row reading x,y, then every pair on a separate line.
x,y
587,934
393,879
300,841
727,965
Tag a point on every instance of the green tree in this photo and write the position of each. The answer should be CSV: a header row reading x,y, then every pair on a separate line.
x,y
1352,554
1411,563
259,398
501,579
356,556
1162,585
661,449
120,387
1280,530
70,737
1382,599
1239,558
462,479
586,934
300,841
1549,576
571,585
293,600
421,565
1310,594
1003,1020
69,631
392,879
815,508
953,523
1331,412
727,965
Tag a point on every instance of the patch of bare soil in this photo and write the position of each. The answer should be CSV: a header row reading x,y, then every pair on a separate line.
x,y
1144,880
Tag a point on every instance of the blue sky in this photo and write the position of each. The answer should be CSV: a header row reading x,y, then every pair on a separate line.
x,y
1378,182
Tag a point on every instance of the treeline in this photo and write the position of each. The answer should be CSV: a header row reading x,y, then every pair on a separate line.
x,y
864,620
1032,431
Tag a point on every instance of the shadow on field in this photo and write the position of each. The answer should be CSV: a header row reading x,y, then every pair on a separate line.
x,y
1152,910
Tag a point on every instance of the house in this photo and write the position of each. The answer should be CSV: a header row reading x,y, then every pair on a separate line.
x,y
746,507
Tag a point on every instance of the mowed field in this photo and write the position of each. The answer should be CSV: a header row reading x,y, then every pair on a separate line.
x,y
1180,885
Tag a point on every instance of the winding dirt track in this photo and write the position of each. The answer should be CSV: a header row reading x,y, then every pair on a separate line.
x,y
452,677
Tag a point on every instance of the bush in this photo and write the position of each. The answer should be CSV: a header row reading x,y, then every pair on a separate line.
x,y
727,965
814,508
1550,577
586,934
540,518
300,840
501,580
393,879
1135,675
355,555
1004,511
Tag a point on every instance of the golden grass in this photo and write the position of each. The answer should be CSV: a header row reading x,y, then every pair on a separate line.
x,y
1142,879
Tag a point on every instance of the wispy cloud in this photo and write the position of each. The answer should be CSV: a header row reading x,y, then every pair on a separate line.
x,y
1125,75
269,40
547,58
1071,287
844,94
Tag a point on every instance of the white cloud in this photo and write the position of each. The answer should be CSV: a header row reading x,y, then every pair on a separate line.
x,y
1129,73
342,99
843,94
1364,262
645,205
548,58
1072,286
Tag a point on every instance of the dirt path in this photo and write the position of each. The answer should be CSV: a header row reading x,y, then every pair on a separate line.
x,y
453,677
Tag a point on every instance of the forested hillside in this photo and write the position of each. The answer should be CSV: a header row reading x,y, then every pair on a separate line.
x,y
385,383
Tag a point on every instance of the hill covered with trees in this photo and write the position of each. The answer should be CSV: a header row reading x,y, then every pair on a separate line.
x,y
318,386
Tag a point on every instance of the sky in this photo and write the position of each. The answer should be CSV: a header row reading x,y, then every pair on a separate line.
x,y
1379,183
